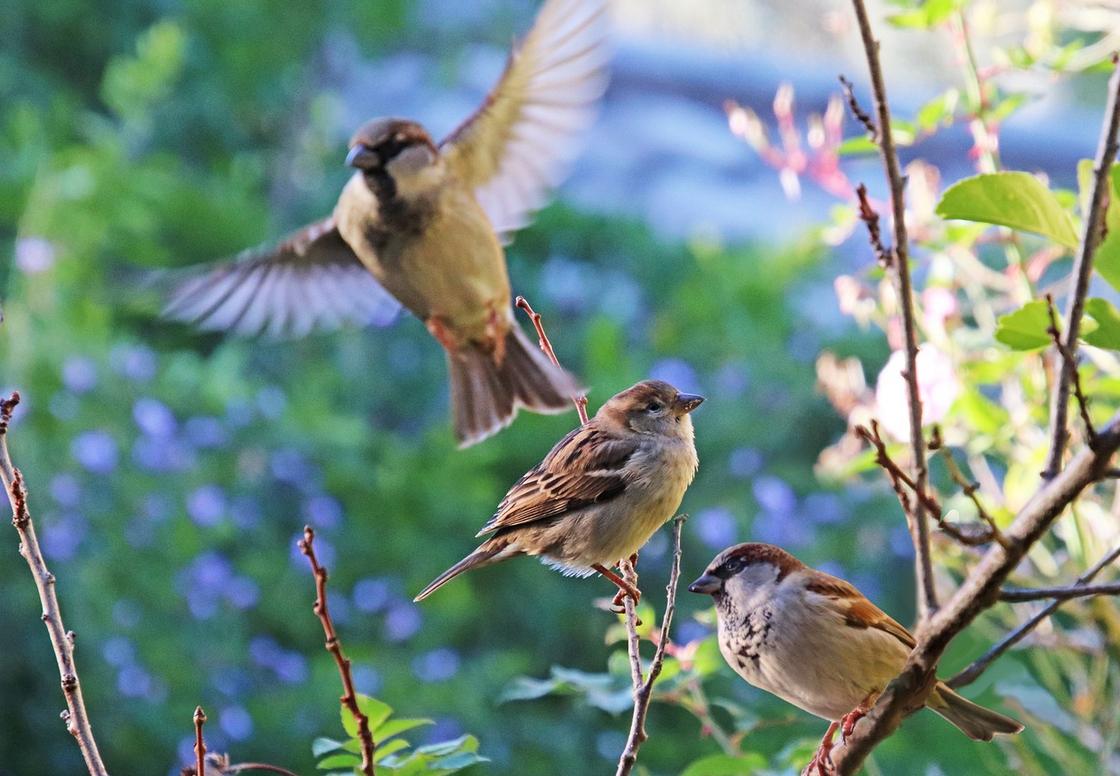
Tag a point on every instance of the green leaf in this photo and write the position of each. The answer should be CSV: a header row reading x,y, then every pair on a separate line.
x,y
388,748
466,743
929,14
341,760
1106,260
1015,199
857,145
1107,318
981,413
726,765
396,727
1027,328
938,111
322,746
377,712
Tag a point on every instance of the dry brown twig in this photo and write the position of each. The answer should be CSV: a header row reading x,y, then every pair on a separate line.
x,y
1065,365
898,259
76,718
860,115
643,687
1070,362
981,587
546,345
199,744
349,697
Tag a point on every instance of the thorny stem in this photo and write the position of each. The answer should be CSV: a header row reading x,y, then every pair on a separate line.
x,y
199,744
349,697
900,261
62,640
522,303
980,665
1082,268
643,688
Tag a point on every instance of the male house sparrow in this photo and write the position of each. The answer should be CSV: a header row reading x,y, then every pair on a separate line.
x,y
426,222
601,492
815,641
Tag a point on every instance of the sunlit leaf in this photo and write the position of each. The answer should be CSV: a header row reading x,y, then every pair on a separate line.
x,y
341,760
1107,318
1015,199
726,765
1027,328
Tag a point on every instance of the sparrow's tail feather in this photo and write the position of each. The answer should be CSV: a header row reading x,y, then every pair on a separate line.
x,y
485,394
490,551
975,721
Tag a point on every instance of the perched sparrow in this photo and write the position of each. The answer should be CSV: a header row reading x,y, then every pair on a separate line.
x,y
601,492
815,641
426,222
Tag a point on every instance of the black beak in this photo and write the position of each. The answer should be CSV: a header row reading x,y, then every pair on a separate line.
x,y
687,402
362,156
708,584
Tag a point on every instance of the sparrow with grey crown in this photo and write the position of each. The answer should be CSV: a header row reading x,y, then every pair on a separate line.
x,y
422,225
601,492
815,641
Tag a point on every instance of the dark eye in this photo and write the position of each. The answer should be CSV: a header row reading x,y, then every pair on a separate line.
x,y
733,565
654,406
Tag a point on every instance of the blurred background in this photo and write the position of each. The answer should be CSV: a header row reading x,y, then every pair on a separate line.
x,y
171,472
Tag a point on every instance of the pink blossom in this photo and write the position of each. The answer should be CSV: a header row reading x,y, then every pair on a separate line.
x,y
938,388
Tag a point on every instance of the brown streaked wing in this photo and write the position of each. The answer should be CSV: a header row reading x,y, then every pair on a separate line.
x,y
520,142
857,610
311,280
584,468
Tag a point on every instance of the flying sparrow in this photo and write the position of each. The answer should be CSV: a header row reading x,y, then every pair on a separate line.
x,y
815,641
422,225
601,492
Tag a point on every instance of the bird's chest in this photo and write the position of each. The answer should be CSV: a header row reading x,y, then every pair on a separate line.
x,y
744,638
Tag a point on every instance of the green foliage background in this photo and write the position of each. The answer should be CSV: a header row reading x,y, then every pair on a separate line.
x,y
171,472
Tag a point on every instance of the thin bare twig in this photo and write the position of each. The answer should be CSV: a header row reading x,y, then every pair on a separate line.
x,y
870,217
860,115
1070,362
581,400
900,261
349,697
980,665
62,640
643,689
969,488
1065,365
199,744
1018,595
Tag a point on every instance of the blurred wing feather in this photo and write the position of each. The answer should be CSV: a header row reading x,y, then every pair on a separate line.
x,y
311,280
584,468
520,142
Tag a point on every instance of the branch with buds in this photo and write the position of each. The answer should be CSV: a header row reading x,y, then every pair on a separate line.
x,y
62,640
643,686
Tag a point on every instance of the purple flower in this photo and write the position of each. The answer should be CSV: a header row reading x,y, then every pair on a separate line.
x,y
205,432
65,490
678,373
371,594
289,465
264,651
236,722
118,651
744,462
134,682
823,508
135,362
62,537
690,631
322,511
79,374
242,592
153,417
96,451
716,527
402,621
774,494
162,455
439,665
206,505
245,511
367,680
901,544
239,413
782,529
291,668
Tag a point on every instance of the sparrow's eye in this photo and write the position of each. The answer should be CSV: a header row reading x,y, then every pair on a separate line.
x,y
733,565
654,406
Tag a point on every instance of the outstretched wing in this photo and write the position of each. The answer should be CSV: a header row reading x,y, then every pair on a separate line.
x,y
585,467
519,144
311,280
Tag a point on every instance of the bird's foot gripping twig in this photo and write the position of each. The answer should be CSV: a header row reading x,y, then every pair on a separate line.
x,y
849,720
821,764
625,589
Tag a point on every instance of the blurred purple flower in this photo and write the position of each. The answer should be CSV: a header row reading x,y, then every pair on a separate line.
x,y
96,451
79,374
65,490
402,621
439,665
135,362
367,680
153,417
690,630
565,281
264,651
203,604
371,594
678,373
445,729
289,465
134,682
322,511
236,723
716,527
271,401
206,505
239,413
774,494
162,455
156,506
900,542
339,605
291,668
245,511
732,380
782,529
118,651
242,592
823,508
205,432
34,254
744,462
834,568
62,537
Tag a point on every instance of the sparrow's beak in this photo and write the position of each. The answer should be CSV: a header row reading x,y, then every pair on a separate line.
x,y
686,403
362,156
706,584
